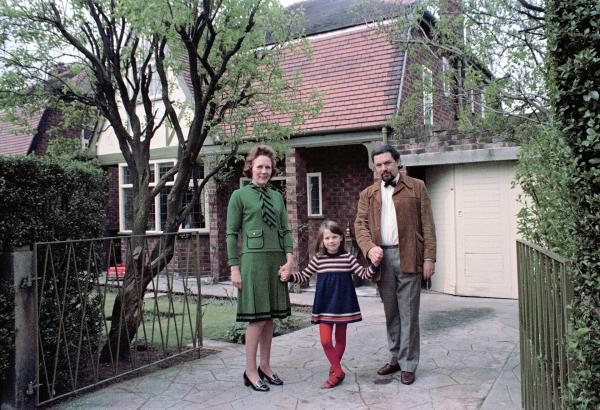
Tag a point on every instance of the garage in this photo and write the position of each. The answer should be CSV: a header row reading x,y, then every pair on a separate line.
x,y
475,207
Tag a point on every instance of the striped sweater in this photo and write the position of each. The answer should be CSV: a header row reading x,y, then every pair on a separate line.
x,y
344,262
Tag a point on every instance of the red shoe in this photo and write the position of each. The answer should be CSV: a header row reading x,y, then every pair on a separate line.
x,y
333,381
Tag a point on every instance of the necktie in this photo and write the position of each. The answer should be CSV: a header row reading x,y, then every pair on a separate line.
x,y
266,204
389,183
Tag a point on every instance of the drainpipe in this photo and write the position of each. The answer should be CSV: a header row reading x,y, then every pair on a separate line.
x,y
402,75
384,134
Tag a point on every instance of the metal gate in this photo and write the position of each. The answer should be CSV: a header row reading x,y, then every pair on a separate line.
x,y
544,295
78,283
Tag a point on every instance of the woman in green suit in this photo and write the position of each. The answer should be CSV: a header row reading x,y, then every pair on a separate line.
x,y
257,212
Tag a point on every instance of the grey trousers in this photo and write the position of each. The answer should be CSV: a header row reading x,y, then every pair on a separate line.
x,y
401,296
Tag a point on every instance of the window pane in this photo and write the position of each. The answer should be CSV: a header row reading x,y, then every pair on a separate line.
x,y
195,218
126,179
279,185
163,206
427,97
152,176
127,211
315,205
165,167
151,225
198,171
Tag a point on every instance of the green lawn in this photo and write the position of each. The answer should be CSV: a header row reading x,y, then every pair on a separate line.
x,y
175,323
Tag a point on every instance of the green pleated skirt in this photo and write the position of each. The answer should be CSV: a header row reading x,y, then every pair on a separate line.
x,y
263,296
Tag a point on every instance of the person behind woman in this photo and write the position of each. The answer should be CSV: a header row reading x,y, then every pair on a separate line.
x,y
335,302
258,212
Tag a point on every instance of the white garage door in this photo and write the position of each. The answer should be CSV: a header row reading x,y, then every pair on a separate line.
x,y
475,210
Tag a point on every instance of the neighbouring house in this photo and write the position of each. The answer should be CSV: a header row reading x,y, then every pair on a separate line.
x,y
26,133
32,133
364,80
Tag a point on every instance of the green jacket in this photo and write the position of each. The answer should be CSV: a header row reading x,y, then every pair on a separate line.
x,y
245,214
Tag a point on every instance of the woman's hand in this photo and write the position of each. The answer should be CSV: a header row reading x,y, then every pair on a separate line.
x,y
284,277
285,270
236,277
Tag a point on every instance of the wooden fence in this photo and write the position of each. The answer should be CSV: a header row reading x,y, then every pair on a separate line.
x,y
545,293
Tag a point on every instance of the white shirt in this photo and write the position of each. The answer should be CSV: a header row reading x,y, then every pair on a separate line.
x,y
389,226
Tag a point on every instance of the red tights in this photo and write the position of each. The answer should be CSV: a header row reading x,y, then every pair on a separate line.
x,y
334,354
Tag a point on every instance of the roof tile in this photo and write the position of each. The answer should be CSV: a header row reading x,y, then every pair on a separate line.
x,y
16,139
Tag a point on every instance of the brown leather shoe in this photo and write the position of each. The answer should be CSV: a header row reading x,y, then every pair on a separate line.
x,y
388,369
407,377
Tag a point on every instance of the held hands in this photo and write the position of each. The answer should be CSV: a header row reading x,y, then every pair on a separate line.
x,y
375,254
285,272
236,277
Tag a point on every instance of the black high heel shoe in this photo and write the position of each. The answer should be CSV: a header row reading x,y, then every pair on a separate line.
x,y
259,386
275,380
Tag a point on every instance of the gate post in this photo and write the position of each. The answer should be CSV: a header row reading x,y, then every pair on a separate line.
x,y
18,392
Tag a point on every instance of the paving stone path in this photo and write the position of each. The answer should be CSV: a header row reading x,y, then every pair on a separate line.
x,y
469,360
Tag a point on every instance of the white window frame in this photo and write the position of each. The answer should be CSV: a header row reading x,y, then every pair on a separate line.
x,y
482,104
309,198
445,76
427,96
156,199
471,97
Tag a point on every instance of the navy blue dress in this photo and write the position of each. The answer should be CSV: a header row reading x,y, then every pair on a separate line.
x,y
335,296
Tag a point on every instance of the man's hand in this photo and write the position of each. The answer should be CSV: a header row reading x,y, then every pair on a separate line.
x,y
428,269
236,277
375,254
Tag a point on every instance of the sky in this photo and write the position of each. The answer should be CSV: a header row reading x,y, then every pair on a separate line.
x,y
288,2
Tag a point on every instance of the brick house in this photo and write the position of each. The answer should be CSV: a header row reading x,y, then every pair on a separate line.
x,y
33,131
364,80
33,136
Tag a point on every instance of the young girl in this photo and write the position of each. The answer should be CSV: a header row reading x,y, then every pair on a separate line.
x,y
335,298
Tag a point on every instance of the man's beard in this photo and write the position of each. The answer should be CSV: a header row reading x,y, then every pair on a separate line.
x,y
388,176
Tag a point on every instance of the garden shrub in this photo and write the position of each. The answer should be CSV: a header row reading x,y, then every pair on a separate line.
x,y
573,41
43,199
237,331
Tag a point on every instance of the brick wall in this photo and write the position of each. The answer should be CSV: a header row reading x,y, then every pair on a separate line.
x,y
344,173
444,107
48,131
218,213
186,257
444,140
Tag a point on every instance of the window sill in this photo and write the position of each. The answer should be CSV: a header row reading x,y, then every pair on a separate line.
x,y
181,231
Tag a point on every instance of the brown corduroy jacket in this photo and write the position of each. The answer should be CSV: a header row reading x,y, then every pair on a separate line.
x,y
416,230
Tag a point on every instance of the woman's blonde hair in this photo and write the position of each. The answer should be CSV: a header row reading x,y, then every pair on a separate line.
x,y
332,227
255,152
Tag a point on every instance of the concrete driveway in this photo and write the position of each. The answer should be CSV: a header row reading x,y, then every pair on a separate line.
x,y
469,360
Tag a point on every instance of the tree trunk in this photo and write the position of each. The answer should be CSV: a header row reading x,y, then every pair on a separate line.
x,y
128,310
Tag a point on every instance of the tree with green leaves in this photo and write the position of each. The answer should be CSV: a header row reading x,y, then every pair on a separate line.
x,y
128,56
494,48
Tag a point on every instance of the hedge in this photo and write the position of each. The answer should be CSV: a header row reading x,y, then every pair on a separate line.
x,y
573,29
43,199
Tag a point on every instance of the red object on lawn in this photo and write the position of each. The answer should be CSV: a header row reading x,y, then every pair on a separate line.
x,y
116,271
